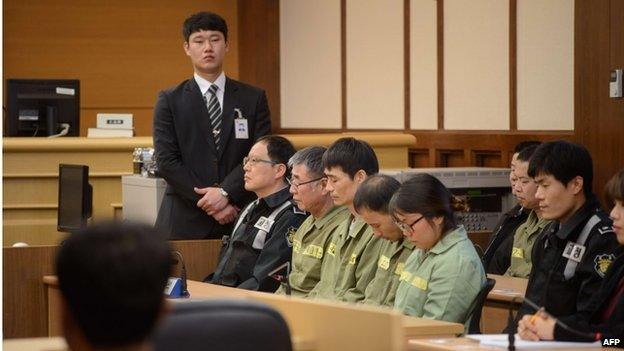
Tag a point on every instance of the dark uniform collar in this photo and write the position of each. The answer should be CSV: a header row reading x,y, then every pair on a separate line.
x,y
277,199
580,217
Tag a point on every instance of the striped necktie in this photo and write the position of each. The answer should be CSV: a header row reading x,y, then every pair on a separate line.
x,y
214,112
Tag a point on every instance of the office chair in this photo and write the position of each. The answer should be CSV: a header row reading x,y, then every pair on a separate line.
x,y
475,320
219,324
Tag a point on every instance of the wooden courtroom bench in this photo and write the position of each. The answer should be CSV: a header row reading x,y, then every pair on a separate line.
x,y
499,300
325,324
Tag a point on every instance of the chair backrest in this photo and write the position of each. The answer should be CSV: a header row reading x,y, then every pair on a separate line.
x,y
475,320
219,324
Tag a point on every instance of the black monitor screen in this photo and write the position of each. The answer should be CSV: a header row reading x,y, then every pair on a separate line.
x,y
42,107
75,197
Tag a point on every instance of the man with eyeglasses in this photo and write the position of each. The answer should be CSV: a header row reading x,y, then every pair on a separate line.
x,y
262,237
307,185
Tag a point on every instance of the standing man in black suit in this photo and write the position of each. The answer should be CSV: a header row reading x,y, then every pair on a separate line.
x,y
203,128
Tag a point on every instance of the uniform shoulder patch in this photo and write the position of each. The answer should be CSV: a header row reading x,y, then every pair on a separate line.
x,y
290,235
602,263
605,229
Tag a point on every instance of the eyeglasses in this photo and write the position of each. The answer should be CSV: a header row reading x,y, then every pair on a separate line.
x,y
253,161
297,185
405,227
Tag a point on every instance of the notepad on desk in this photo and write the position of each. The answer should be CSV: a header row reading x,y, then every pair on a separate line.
x,y
502,340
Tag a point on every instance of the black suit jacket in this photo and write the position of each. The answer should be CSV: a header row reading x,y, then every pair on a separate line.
x,y
187,156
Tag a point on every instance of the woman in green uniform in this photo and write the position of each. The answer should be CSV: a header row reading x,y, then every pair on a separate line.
x,y
443,276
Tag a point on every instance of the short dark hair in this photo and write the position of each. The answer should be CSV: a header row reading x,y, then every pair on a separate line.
x,y
112,277
375,193
280,150
204,21
524,144
351,155
425,194
311,157
525,154
614,190
564,161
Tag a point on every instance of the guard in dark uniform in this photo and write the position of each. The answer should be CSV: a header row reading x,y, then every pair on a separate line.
x,y
261,242
570,261
262,237
573,253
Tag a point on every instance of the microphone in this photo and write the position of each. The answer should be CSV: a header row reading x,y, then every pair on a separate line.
x,y
176,287
583,334
282,279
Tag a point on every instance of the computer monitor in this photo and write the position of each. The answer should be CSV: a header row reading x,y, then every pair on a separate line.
x,y
40,107
75,199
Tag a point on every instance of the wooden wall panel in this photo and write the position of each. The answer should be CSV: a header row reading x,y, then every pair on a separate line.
x,y
310,93
464,149
476,65
423,77
259,56
599,48
545,65
122,52
375,64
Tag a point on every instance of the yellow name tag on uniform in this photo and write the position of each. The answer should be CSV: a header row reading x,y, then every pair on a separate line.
x,y
296,246
420,283
314,251
383,263
353,259
517,252
405,276
399,269
331,250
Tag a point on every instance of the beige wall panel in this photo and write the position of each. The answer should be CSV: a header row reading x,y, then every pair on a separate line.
x,y
375,69
546,65
423,65
123,52
310,72
476,64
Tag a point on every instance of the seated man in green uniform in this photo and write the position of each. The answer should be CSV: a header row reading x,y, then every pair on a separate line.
x,y
262,235
371,203
351,259
307,185
442,278
528,232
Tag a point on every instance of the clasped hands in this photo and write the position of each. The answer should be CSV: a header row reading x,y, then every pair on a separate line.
x,y
540,326
216,205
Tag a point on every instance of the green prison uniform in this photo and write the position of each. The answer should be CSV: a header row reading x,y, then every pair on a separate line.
x,y
309,247
382,289
350,262
525,236
443,282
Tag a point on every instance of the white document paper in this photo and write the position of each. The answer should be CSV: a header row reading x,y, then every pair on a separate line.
x,y
501,340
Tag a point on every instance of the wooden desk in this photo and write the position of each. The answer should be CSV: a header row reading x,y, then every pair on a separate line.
x,y
319,325
465,344
339,326
496,307
58,343
35,344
